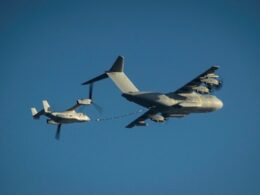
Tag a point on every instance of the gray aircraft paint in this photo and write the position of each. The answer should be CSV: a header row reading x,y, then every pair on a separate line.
x,y
122,82
193,97
59,118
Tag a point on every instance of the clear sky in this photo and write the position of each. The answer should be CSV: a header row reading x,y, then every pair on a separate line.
x,y
49,47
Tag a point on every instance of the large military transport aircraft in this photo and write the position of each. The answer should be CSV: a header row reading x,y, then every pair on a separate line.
x,y
58,118
194,97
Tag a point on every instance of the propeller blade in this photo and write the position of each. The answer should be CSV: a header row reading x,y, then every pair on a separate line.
x,y
97,107
91,90
82,109
57,136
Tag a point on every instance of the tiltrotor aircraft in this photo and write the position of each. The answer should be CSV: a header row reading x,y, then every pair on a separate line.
x,y
194,97
59,118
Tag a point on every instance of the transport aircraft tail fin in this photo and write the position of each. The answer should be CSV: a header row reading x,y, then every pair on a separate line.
x,y
117,75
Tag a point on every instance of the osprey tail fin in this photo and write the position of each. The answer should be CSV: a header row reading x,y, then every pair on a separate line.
x,y
34,111
35,114
46,106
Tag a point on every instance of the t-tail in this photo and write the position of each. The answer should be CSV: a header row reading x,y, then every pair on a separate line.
x,y
116,73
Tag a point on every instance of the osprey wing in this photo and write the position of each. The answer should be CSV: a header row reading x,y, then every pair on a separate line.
x,y
80,102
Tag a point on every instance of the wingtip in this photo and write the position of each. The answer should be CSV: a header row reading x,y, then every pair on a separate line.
x,y
216,66
85,83
129,126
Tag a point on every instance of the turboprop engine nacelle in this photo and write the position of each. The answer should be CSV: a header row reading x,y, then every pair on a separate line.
x,y
177,115
201,89
210,81
157,118
141,123
211,75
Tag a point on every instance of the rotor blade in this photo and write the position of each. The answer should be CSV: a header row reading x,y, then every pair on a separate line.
x,y
57,136
90,90
82,109
97,107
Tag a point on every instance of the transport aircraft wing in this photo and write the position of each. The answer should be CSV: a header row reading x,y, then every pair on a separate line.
x,y
202,83
140,121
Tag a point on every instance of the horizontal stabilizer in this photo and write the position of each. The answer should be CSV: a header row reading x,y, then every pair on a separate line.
x,y
117,75
98,78
118,66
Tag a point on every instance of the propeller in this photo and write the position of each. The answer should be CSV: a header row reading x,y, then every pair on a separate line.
x,y
90,95
57,136
96,106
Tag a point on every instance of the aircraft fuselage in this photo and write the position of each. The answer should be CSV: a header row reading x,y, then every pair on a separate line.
x,y
66,117
185,103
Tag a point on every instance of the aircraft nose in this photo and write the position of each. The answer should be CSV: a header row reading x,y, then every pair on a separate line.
x,y
219,104
86,118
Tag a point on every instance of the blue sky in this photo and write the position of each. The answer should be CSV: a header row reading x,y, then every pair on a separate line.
x,y
48,48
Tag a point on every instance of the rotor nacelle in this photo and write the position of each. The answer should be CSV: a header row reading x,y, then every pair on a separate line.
x,y
84,101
